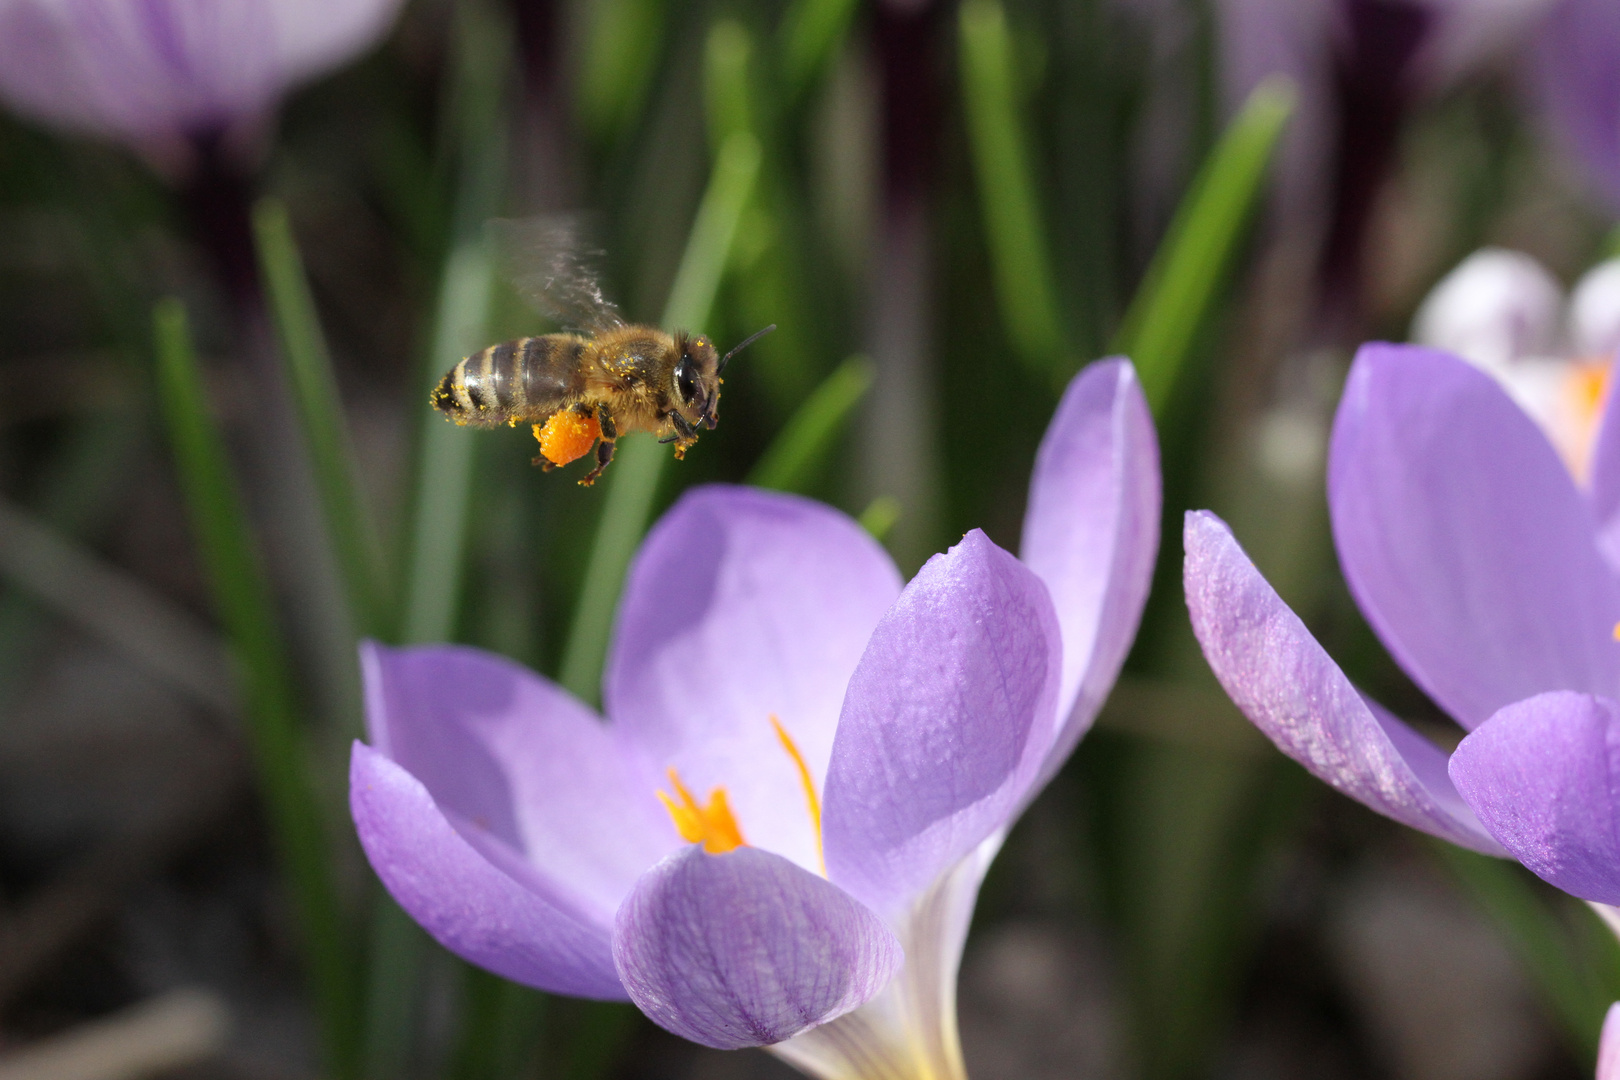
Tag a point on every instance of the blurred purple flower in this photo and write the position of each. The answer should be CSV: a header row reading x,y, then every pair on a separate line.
x,y
1577,69
1365,60
806,771
151,72
1493,580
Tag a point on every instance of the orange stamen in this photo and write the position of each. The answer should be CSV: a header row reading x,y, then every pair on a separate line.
x,y
713,825
808,783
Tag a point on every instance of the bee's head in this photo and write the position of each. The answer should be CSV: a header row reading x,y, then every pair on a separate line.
x,y
696,377
695,380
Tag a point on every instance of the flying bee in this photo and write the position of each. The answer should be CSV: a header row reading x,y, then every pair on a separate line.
x,y
600,379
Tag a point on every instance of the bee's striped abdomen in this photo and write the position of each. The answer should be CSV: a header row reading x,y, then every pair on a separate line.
x,y
520,380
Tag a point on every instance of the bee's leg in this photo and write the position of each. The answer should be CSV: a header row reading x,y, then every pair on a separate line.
x,y
604,448
685,433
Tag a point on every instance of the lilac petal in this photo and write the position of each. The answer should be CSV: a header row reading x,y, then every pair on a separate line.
x,y
743,605
1464,539
168,67
1287,685
1544,776
1092,532
525,929
1608,1067
946,725
747,949
313,36
514,756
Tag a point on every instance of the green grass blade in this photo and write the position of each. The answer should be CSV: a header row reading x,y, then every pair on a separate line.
x,y
242,596
1576,973
880,517
725,81
309,371
1020,264
622,40
124,612
810,36
476,107
1179,290
789,463
632,482
708,248
439,528
77,496
501,1039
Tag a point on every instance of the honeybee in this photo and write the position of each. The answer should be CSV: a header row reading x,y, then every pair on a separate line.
x,y
598,380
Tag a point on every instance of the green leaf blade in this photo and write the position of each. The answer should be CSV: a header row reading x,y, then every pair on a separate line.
x,y
1020,263
1179,290
789,462
242,596
314,383
632,483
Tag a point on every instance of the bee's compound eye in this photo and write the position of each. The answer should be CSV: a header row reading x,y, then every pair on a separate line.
x,y
685,382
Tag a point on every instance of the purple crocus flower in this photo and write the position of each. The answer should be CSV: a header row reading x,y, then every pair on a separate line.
x,y
1494,581
1577,70
151,72
778,836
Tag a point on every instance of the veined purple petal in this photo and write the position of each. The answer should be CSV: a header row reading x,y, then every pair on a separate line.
x,y
743,605
512,755
946,724
1284,682
1608,1067
528,931
1092,532
1544,776
908,1030
1464,539
746,948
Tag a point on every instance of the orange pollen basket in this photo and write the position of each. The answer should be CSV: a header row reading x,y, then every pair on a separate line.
x,y
713,825
566,436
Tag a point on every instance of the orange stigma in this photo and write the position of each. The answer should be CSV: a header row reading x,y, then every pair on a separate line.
x,y
713,825
808,784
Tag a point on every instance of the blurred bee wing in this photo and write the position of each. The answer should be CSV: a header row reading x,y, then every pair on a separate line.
x,y
550,264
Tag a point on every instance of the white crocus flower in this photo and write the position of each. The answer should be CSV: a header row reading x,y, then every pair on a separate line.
x,y
1506,314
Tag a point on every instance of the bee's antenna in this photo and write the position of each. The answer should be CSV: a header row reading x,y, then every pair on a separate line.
x,y
747,341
